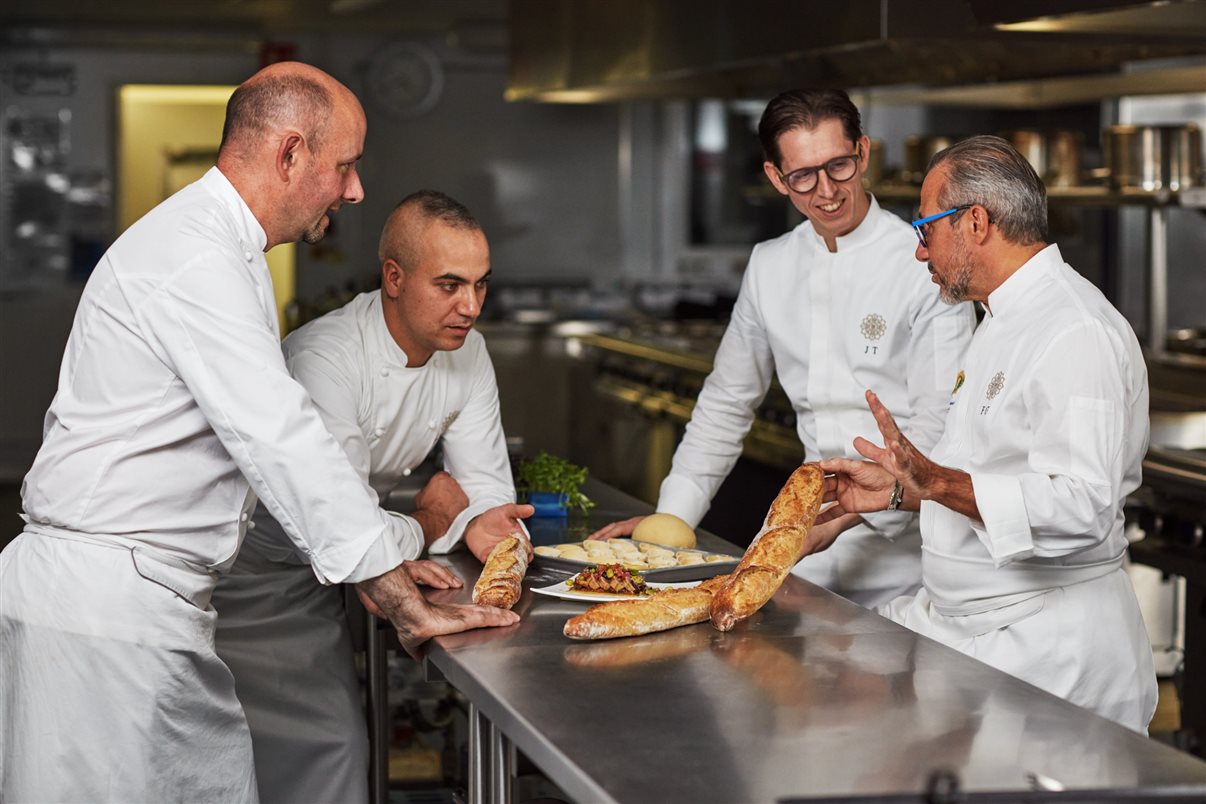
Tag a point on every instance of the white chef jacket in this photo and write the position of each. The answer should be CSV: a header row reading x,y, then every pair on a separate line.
x,y
830,325
173,400
285,639
1051,423
173,396
388,416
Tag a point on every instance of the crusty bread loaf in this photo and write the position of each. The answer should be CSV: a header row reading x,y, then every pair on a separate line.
x,y
501,581
774,551
660,611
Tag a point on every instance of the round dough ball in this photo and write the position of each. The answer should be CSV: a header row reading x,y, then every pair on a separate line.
x,y
685,559
664,529
545,550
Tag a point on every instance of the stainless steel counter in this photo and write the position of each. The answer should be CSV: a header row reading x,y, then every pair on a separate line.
x,y
812,697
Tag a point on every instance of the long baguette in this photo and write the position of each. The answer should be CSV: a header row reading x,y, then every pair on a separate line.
x,y
660,611
501,581
774,551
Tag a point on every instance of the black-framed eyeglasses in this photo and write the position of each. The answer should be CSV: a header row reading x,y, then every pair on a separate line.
x,y
838,169
921,225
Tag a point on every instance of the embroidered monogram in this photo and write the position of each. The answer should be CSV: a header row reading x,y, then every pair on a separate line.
x,y
873,327
448,420
995,385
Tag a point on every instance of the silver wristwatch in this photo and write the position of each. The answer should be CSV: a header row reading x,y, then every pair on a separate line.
x,y
897,497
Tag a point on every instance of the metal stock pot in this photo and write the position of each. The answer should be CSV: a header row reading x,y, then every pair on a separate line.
x,y
1154,157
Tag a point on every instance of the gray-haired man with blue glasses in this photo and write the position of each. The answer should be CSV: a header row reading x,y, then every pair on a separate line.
x,y
1021,499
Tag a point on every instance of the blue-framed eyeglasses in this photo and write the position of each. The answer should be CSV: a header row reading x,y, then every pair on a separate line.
x,y
921,225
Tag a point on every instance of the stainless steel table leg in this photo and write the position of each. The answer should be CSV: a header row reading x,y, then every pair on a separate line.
x,y
502,766
377,706
479,755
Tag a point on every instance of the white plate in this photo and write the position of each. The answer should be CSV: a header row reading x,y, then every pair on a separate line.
x,y
562,591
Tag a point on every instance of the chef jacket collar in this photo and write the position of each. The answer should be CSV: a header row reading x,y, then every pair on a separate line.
x,y
865,232
386,348
1015,291
252,234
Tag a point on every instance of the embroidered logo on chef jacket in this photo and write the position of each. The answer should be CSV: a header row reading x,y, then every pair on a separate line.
x,y
448,420
873,328
995,385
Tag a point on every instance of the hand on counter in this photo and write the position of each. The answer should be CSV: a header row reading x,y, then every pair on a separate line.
x,y
616,529
437,504
416,619
427,573
490,527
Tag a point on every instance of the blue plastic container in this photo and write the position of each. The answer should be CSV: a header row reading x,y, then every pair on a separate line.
x,y
549,504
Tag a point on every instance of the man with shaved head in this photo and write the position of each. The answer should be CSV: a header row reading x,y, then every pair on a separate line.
x,y
174,412
393,373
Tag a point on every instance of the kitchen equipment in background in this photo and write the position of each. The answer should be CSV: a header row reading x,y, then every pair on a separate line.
x,y
874,173
1188,341
1054,155
919,150
1154,157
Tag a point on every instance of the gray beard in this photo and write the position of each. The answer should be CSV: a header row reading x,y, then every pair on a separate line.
x,y
956,291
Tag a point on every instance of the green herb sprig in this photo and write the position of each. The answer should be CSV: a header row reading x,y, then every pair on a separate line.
x,y
555,475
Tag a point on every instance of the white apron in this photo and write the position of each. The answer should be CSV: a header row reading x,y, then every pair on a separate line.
x,y
285,638
112,691
1054,641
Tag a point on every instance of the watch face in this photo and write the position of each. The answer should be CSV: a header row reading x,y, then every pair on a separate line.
x,y
405,79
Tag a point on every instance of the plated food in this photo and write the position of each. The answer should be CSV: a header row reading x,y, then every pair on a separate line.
x,y
615,579
724,599
563,592
654,560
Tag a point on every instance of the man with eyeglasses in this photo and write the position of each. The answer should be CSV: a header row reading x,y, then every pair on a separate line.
x,y
1021,499
833,307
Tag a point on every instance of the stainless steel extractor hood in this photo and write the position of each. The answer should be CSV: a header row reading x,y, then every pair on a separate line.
x,y
601,50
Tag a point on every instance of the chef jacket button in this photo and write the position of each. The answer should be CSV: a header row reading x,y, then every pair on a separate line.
x,y
431,423
243,517
247,255
251,525
406,473
380,431
384,372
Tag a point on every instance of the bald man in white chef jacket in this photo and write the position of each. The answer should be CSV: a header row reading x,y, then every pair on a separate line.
x,y
393,372
174,410
1021,499
834,306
